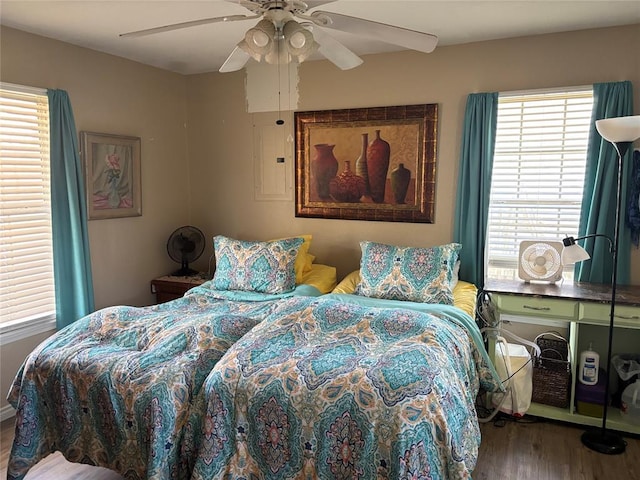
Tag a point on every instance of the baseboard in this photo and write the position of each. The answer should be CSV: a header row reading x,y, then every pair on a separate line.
x,y
7,412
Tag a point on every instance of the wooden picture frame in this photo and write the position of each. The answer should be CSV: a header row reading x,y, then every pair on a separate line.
x,y
112,175
367,163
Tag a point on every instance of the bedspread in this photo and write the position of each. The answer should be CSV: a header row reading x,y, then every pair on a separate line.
x,y
324,389
114,389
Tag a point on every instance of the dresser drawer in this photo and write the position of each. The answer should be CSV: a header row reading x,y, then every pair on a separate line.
x,y
598,314
537,307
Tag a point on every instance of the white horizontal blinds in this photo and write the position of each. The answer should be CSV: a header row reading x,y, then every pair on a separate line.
x,y
538,170
26,275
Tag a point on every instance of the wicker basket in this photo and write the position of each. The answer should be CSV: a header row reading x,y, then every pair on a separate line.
x,y
552,371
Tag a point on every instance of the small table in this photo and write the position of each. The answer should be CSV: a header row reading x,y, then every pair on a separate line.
x,y
583,310
170,287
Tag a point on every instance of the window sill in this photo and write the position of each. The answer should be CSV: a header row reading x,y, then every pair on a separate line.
x,y
20,330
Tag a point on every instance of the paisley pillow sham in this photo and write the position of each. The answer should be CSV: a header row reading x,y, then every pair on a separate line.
x,y
265,267
408,273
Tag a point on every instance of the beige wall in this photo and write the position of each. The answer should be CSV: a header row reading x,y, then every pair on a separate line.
x,y
221,148
214,189
113,95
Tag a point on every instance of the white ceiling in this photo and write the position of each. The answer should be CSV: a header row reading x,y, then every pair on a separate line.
x,y
97,24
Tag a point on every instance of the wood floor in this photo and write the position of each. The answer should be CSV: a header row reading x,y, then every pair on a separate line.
x,y
515,451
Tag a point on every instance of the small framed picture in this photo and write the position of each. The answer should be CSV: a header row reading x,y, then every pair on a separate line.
x,y
112,174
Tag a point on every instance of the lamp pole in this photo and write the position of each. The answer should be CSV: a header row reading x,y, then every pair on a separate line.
x,y
621,132
600,440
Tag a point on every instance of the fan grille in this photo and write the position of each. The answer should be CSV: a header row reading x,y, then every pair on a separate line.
x,y
540,261
185,245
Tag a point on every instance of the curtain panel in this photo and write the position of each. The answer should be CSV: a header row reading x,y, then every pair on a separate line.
x,y
600,189
71,256
474,183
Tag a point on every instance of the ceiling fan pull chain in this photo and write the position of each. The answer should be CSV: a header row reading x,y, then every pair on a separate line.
x,y
279,121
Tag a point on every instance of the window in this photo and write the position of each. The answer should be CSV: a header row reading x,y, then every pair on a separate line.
x,y
538,172
27,295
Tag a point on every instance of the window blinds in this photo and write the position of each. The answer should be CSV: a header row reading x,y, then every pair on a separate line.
x,y
538,170
26,275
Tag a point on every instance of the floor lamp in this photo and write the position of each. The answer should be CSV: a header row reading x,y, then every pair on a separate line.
x,y
621,132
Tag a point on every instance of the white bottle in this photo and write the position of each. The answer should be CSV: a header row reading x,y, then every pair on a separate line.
x,y
589,364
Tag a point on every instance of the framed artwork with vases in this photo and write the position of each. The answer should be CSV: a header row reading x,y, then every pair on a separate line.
x,y
112,175
374,163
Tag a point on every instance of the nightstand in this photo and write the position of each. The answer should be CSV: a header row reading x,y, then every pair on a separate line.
x,y
170,287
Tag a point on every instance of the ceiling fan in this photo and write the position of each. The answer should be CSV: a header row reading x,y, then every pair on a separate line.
x,y
279,37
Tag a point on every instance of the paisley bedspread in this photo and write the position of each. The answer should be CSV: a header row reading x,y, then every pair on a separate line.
x,y
115,388
326,388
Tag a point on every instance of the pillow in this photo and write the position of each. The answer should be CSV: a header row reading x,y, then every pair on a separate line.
x,y
322,277
304,259
464,297
408,273
349,283
265,267
464,293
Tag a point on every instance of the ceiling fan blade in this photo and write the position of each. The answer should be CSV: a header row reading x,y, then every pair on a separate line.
x,y
193,23
316,3
235,61
334,51
412,39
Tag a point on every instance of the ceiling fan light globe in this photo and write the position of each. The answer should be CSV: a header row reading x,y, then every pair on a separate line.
x,y
260,39
249,50
298,40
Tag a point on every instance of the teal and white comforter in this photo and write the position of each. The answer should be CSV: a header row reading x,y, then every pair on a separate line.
x,y
212,386
115,388
337,388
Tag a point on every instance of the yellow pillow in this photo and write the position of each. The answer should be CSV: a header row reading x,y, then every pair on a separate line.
x,y
349,283
323,277
308,264
464,297
303,263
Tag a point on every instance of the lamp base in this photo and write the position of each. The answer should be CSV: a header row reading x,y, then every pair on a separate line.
x,y
603,441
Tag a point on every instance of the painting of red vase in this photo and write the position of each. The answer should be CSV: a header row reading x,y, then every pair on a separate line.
x,y
367,164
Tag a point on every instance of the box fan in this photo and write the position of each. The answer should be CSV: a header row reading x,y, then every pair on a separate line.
x,y
540,260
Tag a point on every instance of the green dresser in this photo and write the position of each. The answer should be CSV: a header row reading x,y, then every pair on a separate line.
x,y
583,311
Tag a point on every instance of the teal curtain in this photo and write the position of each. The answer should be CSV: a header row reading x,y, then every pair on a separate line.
x,y
601,180
71,260
474,183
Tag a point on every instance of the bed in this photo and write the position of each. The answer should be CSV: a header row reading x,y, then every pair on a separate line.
x,y
347,386
232,381
115,388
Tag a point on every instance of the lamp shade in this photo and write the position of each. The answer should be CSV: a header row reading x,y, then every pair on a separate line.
x,y
574,254
258,41
619,129
299,40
